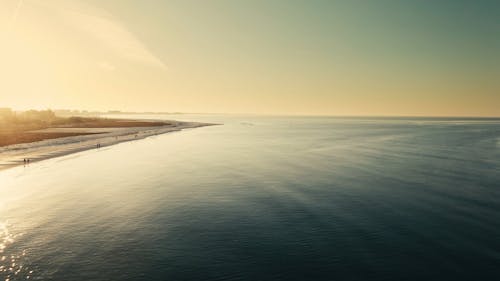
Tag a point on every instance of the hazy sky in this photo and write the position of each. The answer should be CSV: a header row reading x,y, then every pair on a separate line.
x,y
280,57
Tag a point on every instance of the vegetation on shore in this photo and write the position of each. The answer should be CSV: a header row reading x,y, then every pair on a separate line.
x,y
21,127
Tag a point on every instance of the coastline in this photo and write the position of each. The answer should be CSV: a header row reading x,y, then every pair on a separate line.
x,y
13,155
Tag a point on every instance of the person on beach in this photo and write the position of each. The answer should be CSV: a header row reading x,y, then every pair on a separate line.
x,y
24,160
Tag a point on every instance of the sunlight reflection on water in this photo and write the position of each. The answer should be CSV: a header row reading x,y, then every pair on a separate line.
x,y
13,264
284,199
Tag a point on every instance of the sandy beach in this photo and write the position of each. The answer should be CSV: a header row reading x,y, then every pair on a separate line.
x,y
81,139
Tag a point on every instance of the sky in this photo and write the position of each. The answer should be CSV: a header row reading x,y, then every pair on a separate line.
x,y
310,57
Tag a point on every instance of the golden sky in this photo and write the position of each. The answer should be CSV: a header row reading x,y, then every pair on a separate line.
x,y
265,57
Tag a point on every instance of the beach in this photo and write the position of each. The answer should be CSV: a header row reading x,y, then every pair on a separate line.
x,y
286,198
60,141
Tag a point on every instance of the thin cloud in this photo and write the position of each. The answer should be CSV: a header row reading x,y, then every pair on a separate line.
x,y
107,31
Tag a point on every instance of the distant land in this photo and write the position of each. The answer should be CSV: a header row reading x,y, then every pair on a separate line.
x,y
70,112
42,134
75,112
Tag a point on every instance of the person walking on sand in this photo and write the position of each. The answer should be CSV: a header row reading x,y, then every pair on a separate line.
x,y
24,160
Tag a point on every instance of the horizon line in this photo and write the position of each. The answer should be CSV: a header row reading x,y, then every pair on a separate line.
x,y
115,111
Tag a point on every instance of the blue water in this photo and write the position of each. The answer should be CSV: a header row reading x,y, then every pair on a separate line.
x,y
264,198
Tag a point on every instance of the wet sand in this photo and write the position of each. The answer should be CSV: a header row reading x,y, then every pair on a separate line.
x,y
74,140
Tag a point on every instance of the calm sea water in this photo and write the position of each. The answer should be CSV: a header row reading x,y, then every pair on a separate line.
x,y
264,198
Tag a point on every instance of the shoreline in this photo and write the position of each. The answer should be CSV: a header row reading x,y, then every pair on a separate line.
x,y
13,155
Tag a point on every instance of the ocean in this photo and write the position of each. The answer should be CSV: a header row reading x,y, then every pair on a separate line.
x,y
264,198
